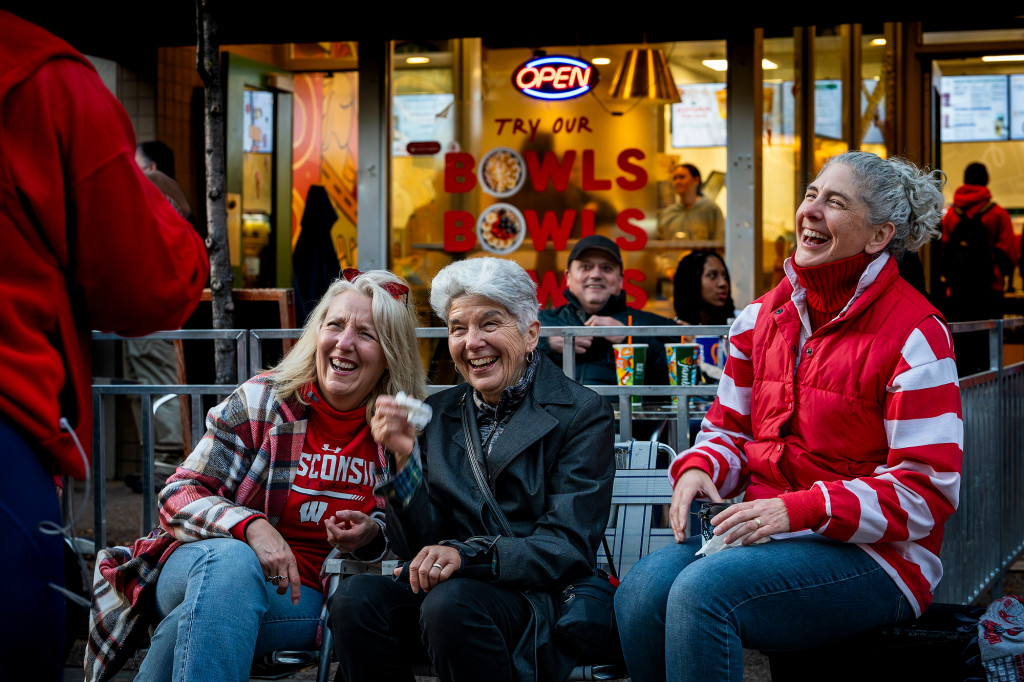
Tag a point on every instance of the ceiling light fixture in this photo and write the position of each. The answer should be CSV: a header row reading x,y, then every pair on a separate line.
x,y
644,73
1003,58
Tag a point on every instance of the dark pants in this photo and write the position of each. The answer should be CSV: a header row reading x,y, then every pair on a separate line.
x,y
468,628
32,629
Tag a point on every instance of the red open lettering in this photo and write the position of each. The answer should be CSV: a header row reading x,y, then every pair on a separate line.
x,y
637,297
550,227
549,288
458,172
639,240
591,183
459,231
549,169
626,164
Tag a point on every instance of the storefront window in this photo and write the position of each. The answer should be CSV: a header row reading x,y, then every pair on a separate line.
x,y
324,162
481,168
780,157
695,135
830,132
876,76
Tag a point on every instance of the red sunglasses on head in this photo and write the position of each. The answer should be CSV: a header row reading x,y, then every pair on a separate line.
x,y
399,292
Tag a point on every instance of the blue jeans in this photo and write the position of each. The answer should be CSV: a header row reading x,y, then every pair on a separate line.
x,y
683,617
219,613
32,629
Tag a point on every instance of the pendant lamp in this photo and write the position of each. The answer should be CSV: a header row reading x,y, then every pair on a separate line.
x,y
644,73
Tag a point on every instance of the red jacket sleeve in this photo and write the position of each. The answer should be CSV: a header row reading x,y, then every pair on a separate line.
x,y
137,265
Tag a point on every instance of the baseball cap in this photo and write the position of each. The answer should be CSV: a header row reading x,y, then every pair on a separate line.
x,y
596,241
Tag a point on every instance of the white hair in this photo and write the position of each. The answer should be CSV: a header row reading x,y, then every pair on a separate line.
x,y
501,281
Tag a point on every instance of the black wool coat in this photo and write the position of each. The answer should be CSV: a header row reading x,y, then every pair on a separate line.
x,y
550,470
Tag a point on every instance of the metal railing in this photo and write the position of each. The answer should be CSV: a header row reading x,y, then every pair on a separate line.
x,y
103,393
681,415
983,538
986,534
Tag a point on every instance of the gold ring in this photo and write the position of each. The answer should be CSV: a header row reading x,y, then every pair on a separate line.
x,y
757,520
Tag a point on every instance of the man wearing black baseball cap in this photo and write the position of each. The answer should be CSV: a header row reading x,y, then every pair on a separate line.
x,y
595,298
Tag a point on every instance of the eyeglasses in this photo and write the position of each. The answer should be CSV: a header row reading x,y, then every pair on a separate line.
x,y
399,292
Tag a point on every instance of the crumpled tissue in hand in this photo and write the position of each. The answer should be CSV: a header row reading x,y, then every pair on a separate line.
x,y
717,544
419,412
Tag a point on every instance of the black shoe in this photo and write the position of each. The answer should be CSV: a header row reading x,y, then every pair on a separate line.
x,y
280,664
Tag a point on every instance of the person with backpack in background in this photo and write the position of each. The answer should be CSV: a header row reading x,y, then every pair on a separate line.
x,y
979,252
979,249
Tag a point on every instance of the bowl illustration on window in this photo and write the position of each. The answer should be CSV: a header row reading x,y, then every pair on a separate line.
x,y
501,172
501,228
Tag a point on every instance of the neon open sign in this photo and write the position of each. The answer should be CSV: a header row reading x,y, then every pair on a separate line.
x,y
555,77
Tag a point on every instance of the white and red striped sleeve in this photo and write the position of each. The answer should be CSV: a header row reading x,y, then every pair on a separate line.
x,y
917,488
718,448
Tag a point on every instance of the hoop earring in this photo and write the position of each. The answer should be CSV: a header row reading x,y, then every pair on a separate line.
x,y
529,357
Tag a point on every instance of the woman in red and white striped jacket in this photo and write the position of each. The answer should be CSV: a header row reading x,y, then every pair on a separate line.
x,y
839,420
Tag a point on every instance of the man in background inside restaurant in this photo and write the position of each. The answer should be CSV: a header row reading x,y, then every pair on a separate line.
x,y
595,298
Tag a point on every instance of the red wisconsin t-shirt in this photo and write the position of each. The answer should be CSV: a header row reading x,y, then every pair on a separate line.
x,y
336,471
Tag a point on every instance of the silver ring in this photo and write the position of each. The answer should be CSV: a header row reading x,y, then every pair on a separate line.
x,y
757,520
272,578
439,567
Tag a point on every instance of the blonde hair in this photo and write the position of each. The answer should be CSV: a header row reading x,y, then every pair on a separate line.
x,y
395,323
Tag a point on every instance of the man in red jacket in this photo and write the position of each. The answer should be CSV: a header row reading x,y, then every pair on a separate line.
x,y
87,243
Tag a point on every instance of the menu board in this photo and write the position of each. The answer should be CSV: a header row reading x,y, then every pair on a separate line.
x,y
1017,106
828,108
422,118
974,108
699,119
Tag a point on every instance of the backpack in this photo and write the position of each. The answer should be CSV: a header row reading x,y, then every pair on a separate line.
x,y
968,261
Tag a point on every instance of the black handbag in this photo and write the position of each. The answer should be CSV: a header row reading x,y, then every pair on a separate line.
x,y
586,606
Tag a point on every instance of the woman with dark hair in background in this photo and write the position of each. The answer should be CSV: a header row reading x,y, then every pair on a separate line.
x,y
692,216
702,290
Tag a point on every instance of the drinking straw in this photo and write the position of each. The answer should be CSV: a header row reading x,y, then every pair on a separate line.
x,y
629,339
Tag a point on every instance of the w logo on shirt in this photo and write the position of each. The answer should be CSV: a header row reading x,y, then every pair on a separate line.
x,y
312,511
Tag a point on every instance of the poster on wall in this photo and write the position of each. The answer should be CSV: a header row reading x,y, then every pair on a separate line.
x,y
422,118
698,120
872,135
1017,106
259,121
974,108
828,108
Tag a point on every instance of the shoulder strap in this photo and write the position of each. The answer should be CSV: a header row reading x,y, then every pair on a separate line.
x,y
472,436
